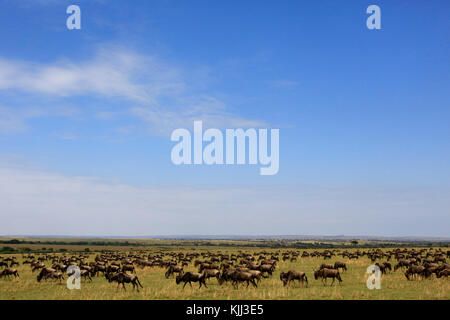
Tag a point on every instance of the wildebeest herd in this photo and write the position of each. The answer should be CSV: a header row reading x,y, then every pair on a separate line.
x,y
235,269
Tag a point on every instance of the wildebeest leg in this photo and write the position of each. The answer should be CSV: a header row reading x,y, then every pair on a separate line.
x,y
185,283
139,282
123,285
254,283
332,282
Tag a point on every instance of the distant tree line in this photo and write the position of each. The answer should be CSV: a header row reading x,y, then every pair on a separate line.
x,y
269,244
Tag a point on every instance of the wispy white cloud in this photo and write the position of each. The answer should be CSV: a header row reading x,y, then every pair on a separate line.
x,y
111,73
160,94
14,120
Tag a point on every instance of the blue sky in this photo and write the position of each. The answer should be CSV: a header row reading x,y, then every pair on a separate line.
x,y
86,116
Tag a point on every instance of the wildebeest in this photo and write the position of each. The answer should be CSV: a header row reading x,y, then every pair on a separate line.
x,y
414,270
13,263
292,275
340,265
9,272
99,268
226,275
112,268
173,269
85,274
189,277
269,268
443,273
204,266
37,266
122,278
384,266
211,273
50,273
240,276
326,266
44,272
256,275
128,267
402,263
327,273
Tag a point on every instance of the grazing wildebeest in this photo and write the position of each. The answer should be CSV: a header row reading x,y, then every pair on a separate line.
x,y
402,263
431,268
443,273
85,274
99,268
9,272
240,276
269,268
3,264
128,267
326,266
51,275
327,273
112,268
37,266
44,272
13,263
256,275
204,266
340,265
439,259
189,277
122,278
384,266
414,270
292,275
211,273
226,275
173,269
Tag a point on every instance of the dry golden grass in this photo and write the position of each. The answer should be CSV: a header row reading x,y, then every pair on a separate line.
x,y
156,286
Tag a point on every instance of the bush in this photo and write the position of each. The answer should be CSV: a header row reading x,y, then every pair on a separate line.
x,y
7,250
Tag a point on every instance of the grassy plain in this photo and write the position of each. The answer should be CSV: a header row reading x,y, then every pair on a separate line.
x,y
394,285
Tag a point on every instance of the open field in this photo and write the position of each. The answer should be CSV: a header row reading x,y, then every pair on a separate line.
x,y
394,285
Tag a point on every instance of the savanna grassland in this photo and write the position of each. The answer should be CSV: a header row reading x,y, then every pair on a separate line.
x,y
394,285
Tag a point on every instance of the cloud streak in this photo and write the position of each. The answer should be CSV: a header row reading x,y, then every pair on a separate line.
x,y
159,93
